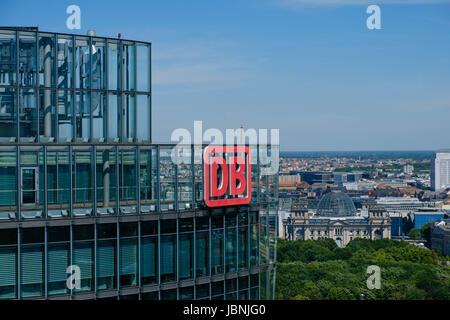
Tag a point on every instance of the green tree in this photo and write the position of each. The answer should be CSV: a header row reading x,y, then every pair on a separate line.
x,y
340,293
426,231
415,233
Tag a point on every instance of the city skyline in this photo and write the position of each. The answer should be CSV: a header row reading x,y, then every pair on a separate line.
x,y
313,71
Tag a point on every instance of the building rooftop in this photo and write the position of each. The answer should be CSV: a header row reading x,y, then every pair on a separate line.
x,y
336,204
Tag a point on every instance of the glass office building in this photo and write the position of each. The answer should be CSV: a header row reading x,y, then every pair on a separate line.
x,y
81,184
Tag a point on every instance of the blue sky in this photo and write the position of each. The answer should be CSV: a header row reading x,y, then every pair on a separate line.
x,y
310,68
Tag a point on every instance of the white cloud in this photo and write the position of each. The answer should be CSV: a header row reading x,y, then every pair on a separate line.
x,y
197,64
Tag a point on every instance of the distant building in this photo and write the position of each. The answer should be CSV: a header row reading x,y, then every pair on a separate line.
x,y
354,176
408,169
425,215
340,178
400,204
440,237
336,219
400,223
295,178
317,177
440,170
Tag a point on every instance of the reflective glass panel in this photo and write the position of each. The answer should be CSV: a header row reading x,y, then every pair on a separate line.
x,y
8,114
8,60
27,59
47,55
98,64
82,63
65,62
47,115
143,67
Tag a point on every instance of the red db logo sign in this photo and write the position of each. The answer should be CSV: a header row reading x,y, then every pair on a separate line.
x,y
228,176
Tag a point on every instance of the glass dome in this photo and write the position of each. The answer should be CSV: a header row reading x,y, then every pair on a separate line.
x,y
336,204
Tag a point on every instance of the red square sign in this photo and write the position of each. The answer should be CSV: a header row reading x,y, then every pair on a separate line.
x,y
228,175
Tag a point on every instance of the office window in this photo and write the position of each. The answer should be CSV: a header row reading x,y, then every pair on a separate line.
x,y
83,180
150,296
82,63
186,249
8,264
114,117
47,115
169,294
114,62
58,181
217,251
168,254
202,291
273,231
263,285
83,116
28,115
202,253
167,179
83,254
27,59
243,283
32,262
8,115
65,62
99,117
143,124
198,176
8,187
106,256
32,181
184,171
217,288
242,247
98,64
106,180
230,249
254,238
168,226
129,109
217,222
8,71
65,115
128,65
47,49
264,236
230,286
149,252
58,259
128,254
186,293
127,179
143,67
148,179
168,258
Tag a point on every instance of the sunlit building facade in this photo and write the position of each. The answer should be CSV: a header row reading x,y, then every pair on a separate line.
x,y
82,185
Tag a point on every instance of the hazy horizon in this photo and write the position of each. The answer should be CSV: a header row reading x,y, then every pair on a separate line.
x,y
309,68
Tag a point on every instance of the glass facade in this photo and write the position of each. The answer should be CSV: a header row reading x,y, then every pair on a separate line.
x,y
83,185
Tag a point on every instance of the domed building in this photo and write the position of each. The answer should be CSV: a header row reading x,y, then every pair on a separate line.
x,y
336,204
337,218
